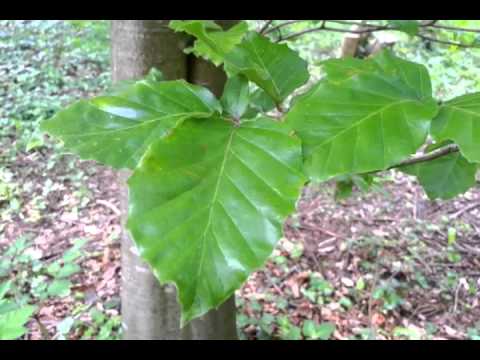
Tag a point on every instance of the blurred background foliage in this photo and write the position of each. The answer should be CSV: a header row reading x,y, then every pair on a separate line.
x,y
47,64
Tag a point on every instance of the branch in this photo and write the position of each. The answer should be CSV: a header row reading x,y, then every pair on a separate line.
x,y
446,42
371,28
452,28
279,26
350,31
452,148
346,22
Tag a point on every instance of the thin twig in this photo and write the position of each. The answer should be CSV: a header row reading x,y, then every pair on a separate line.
x,y
315,228
449,149
265,26
376,277
43,329
280,108
371,28
109,205
367,28
429,23
455,302
354,23
465,209
279,26
446,42
452,28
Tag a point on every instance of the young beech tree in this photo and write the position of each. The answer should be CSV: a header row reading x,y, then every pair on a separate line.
x,y
151,311
213,177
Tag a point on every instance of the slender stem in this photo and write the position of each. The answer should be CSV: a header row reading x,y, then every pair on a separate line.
x,y
280,108
452,148
325,28
454,28
371,28
286,23
42,327
346,22
446,42
376,277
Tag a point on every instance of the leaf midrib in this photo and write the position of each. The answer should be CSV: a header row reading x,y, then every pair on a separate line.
x,y
360,121
139,124
214,200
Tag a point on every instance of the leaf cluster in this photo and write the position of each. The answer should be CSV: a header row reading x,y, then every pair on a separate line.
x,y
214,179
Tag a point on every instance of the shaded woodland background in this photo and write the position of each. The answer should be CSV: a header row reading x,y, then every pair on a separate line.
x,y
383,264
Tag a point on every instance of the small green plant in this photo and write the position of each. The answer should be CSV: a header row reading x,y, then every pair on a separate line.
x,y
314,331
452,254
13,317
287,330
318,291
408,333
388,293
27,280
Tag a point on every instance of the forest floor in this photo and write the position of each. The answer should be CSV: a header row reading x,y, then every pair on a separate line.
x,y
387,264
376,265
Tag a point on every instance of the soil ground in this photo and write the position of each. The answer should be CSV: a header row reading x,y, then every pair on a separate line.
x,y
392,238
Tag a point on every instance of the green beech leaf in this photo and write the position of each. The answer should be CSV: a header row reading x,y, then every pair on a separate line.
x,y
212,43
338,70
444,177
207,204
12,323
459,120
384,66
371,115
273,67
235,96
409,27
260,102
116,130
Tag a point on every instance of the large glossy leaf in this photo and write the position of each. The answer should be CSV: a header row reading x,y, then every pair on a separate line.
x,y
459,120
116,130
366,115
208,202
444,177
212,41
275,68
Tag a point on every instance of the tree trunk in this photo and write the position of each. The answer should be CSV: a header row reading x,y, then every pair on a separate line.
x,y
151,311
352,42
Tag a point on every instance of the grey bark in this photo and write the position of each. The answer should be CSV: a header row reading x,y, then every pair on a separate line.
x,y
352,42
151,311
